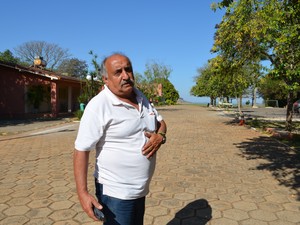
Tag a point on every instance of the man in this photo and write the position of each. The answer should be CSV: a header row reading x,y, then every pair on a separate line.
x,y
126,131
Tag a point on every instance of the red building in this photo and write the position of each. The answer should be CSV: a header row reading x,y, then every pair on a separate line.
x,y
33,92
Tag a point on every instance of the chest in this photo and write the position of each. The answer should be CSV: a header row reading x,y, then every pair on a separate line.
x,y
124,121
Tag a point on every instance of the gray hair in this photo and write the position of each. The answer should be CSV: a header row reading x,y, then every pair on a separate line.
x,y
103,70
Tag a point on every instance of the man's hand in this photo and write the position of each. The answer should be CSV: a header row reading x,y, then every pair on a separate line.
x,y
154,143
87,202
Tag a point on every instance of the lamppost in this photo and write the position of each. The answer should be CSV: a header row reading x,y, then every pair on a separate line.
x,y
91,77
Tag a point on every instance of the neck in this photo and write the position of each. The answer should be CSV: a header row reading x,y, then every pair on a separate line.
x,y
131,100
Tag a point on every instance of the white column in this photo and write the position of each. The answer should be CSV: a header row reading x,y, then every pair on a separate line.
x,y
25,99
69,99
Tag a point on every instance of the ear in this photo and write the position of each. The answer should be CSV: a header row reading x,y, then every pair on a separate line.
x,y
105,79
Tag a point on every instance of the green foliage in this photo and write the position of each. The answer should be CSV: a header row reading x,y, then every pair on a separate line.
x,y
272,89
252,30
74,68
96,66
170,102
36,95
92,86
7,56
170,94
261,125
275,89
95,82
156,71
84,97
89,89
203,82
220,78
208,83
154,75
222,4
79,114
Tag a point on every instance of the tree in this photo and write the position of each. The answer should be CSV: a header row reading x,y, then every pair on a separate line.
x,y
96,81
37,94
205,84
283,38
234,79
51,53
222,4
7,56
92,83
142,84
157,70
170,94
251,29
74,68
155,74
221,78
272,89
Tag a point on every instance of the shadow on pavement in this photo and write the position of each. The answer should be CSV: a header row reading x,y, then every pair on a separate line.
x,y
282,161
198,212
168,109
4,123
7,138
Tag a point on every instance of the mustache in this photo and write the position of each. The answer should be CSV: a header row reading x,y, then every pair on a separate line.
x,y
129,81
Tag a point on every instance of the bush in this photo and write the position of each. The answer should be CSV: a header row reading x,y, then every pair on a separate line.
x,y
79,114
169,102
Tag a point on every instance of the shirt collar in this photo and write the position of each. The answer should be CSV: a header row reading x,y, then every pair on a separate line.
x,y
116,101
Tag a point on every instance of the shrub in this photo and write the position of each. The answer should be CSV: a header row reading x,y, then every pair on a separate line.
x,y
79,114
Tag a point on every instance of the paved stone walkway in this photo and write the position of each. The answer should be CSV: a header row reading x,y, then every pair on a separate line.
x,y
209,172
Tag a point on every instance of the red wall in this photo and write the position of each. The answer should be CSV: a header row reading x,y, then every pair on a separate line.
x,y
12,87
12,93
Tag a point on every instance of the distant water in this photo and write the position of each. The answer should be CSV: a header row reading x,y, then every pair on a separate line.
x,y
205,100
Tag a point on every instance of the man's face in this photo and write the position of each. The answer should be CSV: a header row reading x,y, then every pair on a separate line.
x,y
120,79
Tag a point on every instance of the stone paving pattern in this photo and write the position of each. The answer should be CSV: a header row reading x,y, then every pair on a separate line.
x,y
210,172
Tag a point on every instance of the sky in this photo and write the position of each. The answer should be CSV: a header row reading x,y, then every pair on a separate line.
x,y
175,33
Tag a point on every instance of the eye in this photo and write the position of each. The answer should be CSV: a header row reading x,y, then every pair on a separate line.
x,y
118,72
128,69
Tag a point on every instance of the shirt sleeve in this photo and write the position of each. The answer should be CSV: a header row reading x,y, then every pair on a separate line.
x,y
89,132
158,116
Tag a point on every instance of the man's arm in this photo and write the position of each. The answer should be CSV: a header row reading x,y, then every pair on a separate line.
x,y
162,127
155,140
80,163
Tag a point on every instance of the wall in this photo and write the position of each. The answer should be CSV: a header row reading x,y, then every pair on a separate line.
x,y
15,83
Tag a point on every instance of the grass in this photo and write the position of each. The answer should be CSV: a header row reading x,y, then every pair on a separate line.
x,y
293,141
78,114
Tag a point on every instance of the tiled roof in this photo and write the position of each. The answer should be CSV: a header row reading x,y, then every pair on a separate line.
x,y
39,71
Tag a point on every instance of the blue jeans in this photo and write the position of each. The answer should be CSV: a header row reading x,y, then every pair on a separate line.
x,y
119,211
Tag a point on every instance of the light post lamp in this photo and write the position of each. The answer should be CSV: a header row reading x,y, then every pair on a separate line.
x,y
91,77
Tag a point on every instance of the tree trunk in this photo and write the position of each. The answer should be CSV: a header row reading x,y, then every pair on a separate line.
x,y
289,112
212,101
239,104
241,101
254,98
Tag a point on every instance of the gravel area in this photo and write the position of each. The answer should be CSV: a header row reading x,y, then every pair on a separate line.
x,y
262,113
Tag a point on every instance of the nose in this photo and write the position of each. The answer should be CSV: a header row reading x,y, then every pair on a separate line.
x,y
125,74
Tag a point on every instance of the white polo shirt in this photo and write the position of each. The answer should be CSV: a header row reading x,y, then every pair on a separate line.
x,y
116,130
